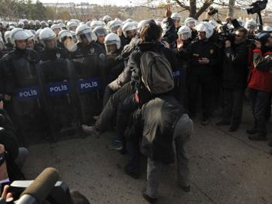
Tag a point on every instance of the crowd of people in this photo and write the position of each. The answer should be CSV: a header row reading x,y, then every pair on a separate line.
x,y
159,71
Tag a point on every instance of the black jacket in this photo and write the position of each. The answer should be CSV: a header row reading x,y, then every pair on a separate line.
x,y
235,66
203,49
8,137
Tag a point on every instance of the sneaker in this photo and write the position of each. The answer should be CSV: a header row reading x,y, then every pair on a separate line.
x,y
205,121
258,137
96,117
131,173
233,128
116,145
90,130
186,189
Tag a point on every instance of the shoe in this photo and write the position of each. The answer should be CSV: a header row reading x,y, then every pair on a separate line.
x,y
252,131
149,199
90,130
223,122
205,121
116,145
186,189
258,137
133,174
96,117
233,128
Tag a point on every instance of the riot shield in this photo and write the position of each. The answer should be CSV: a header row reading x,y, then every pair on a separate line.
x,y
59,96
25,109
90,83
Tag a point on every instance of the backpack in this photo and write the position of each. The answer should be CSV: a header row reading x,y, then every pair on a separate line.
x,y
156,72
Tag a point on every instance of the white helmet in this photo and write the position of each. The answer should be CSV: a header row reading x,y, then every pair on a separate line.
x,y
205,27
114,25
64,34
2,45
55,26
250,24
30,34
95,24
111,39
18,34
129,26
190,22
106,18
84,31
7,36
184,32
267,28
99,30
71,25
175,16
46,34
213,23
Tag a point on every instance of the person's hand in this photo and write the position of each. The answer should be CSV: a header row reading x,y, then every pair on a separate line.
x,y
1,104
166,44
168,12
180,43
5,193
204,60
227,43
7,97
258,44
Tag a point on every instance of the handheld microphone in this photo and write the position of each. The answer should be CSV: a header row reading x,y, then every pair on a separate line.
x,y
40,188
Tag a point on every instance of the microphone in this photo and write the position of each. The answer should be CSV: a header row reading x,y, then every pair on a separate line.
x,y
40,188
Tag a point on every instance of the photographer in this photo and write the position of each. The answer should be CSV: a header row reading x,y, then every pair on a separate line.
x,y
234,79
260,86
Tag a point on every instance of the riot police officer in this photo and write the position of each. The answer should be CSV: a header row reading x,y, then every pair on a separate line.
x,y
203,59
20,80
51,51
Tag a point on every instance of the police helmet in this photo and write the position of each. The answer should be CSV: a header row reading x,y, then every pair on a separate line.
x,y
205,27
176,16
84,31
46,34
184,32
129,27
71,25
112,39
18,34
190,22
114,25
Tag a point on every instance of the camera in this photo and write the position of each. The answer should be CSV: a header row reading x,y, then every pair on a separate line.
x,y
212,11
257,7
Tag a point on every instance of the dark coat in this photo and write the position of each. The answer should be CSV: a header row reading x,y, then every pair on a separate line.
x,y
200,49
235,66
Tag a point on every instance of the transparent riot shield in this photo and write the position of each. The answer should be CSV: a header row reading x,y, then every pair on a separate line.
x,y
59,96
90,83
26,109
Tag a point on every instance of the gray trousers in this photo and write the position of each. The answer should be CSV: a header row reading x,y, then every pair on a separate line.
x,y
181,136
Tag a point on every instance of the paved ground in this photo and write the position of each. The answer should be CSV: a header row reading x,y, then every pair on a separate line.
x,y
226,168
